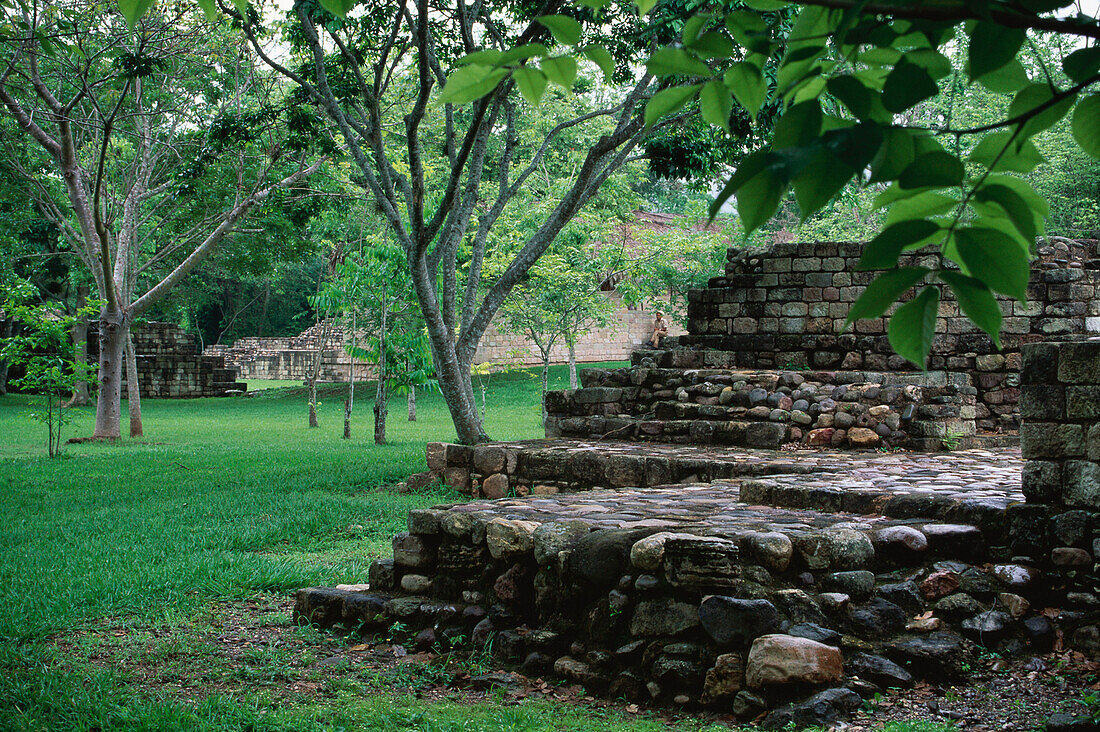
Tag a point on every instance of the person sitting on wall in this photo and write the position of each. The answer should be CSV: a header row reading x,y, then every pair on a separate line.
x,y
660,330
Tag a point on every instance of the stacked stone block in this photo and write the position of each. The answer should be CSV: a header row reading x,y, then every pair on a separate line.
x,y
169,364
1060,437
766,409
786,307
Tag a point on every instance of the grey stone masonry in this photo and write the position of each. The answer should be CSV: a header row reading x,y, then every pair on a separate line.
x,y
170,366
786,307
1060,434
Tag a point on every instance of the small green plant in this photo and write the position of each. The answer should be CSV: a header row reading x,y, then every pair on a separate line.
x,y
42,346
1092,705
951,439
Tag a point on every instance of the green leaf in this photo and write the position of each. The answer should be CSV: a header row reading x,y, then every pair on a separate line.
x,y
907,85
852,93
819,182
992,45
668,101
132,10
935,63
1037,203
1086,125
713,45
938,168
522,53
594,4
1014,206
976,302
896,154
209,9
924,205
693,26
765,6
913,326
644,6
716,104
531,84
1032,97
995,258
758,199
748,86
561,70
1082,63
749,29
748,168
565,30
676,62
883,251
799,125
992,153
883,292
1008,79
602,58
468,83
856,145
486,57
339,8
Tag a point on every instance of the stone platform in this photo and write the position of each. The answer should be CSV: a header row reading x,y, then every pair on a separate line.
x,y
722,594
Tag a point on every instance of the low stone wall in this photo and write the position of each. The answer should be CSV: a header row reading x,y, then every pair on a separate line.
x,y
169,365
926,411
292,358
786,307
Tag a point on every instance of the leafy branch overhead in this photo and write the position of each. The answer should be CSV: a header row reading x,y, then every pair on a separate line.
x,y
848,78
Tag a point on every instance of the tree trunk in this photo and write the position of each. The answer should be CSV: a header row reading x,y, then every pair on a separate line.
x,y
349,403
380,406
313,401
133,387
572,365
113,330
412,402
545,381
79,334
5,332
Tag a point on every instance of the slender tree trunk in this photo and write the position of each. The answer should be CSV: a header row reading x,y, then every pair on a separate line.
x,y
5,332
349,403
313,402
412,402
79,334
113,330
572,365
380,405
545,381
133,387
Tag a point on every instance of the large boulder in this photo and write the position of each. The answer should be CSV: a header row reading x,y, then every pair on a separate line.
x,y
776,660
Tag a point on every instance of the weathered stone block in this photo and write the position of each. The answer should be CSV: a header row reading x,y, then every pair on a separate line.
x,y
1039,363
488,459
1079,363
776,660
495,486
1043,402
436,453
703,562
1082,402
1040,440
412,551
1042,481
1082,484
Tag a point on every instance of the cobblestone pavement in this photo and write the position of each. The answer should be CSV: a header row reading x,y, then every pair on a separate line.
x,y
985,478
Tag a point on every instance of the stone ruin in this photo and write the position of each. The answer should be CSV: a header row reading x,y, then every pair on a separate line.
x,y
657,546
170,366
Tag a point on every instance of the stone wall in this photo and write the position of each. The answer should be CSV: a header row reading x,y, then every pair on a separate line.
x,y
1058,527
292,358
766,409
169,364
785,307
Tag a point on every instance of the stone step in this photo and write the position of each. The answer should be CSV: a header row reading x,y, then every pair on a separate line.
x,y
686,594
767,408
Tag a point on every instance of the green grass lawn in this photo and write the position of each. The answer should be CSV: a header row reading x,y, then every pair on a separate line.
x,y
113,556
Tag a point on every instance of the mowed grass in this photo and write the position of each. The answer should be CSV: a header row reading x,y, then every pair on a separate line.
x,y
222,502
